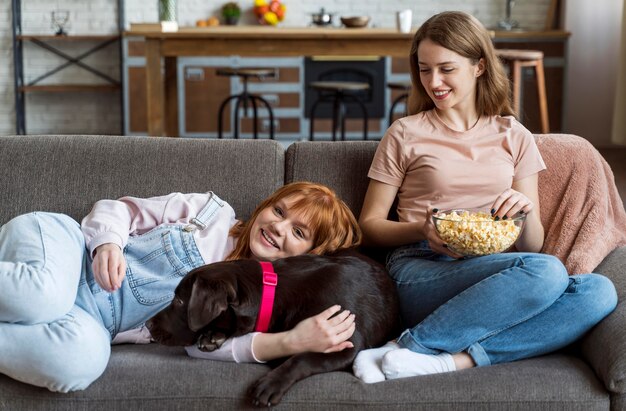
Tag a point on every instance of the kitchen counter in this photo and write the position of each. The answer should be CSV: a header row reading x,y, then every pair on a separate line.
x,y
264,41
277,41
318,33
530,34
271,32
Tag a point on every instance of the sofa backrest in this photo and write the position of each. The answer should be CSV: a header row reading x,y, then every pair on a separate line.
x,y
341,165
69,173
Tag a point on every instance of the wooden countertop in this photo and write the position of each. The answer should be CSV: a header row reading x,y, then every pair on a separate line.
x,y
268,33
531,34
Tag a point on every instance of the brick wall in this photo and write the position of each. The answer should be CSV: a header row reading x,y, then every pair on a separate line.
x,y
99,113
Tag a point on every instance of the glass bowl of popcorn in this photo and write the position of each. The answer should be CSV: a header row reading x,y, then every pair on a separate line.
x,y
470,232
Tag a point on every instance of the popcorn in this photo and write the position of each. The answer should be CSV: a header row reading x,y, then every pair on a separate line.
x,y
476,233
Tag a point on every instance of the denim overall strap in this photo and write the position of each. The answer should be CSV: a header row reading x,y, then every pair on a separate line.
x,y
206,214
200,222
156,262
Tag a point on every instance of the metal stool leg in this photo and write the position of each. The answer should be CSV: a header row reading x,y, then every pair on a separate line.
x,y
343,114
243,100
269,111
312,118
237,105
365,115
336,114
220,121
255,117
395,103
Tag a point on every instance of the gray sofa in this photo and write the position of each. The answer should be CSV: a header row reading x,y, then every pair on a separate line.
x,y
69,173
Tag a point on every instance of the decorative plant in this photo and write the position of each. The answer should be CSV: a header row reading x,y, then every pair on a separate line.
x,y
231,11
167,10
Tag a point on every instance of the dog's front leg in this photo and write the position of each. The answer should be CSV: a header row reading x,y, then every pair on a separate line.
x,y
269,389
211,341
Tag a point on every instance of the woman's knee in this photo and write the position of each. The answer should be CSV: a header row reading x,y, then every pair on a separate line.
x,y
40,268
597,292
79,360
45,302
549,275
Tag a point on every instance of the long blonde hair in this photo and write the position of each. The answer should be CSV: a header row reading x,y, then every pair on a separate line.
x,y
466,36
334,225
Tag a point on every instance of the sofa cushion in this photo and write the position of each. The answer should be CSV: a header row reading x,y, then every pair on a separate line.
x,y
605,346
154,378
69,173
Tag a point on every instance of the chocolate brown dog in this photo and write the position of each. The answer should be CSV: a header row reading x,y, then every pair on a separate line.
x,y
221,300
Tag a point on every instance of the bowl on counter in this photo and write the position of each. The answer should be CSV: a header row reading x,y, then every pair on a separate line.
x,y
355,21
470,232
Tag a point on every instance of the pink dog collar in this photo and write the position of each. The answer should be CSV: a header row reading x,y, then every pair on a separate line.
x,y
270,280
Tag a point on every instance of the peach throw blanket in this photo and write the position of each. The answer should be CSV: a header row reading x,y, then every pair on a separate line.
x,y
581,210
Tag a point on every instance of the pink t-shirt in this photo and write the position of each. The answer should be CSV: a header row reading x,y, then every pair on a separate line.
x,y
434,166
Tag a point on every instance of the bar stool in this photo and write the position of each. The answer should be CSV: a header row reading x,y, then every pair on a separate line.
x,y
518,59
405,88
244,98
338,92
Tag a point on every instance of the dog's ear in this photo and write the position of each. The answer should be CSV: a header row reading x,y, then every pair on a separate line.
x,y
209,298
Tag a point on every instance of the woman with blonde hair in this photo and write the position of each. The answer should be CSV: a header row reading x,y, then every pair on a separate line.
x,y
461,147
69,291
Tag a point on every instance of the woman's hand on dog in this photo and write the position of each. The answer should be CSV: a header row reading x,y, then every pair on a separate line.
x,y
109,266
324,332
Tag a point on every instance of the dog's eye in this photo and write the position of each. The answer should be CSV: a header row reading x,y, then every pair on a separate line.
x,y
178,301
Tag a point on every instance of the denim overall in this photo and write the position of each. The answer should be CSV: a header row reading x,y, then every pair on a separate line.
x,y
156,261
56,323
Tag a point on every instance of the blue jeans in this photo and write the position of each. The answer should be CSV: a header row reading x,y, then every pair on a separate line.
x,y
497,308
56,323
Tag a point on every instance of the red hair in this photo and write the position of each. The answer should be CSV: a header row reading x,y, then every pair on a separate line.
x,y
333,224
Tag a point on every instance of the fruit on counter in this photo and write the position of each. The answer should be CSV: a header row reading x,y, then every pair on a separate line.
x,y
211,21
269,12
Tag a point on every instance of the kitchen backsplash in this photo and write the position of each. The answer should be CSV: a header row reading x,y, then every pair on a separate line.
x,y
98,16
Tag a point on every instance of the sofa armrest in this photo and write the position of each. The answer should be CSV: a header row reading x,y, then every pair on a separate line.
x,y
604,347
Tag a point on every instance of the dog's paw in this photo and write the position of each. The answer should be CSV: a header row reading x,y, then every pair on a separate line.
x,y
268,391
206,344
211,342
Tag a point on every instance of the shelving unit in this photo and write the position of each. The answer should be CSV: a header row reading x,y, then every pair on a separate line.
x,y
44,41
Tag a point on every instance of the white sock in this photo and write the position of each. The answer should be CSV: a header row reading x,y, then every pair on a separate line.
x,y
368,363
404,363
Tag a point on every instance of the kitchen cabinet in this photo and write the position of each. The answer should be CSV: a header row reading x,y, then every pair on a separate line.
x,y
201,92
192,93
